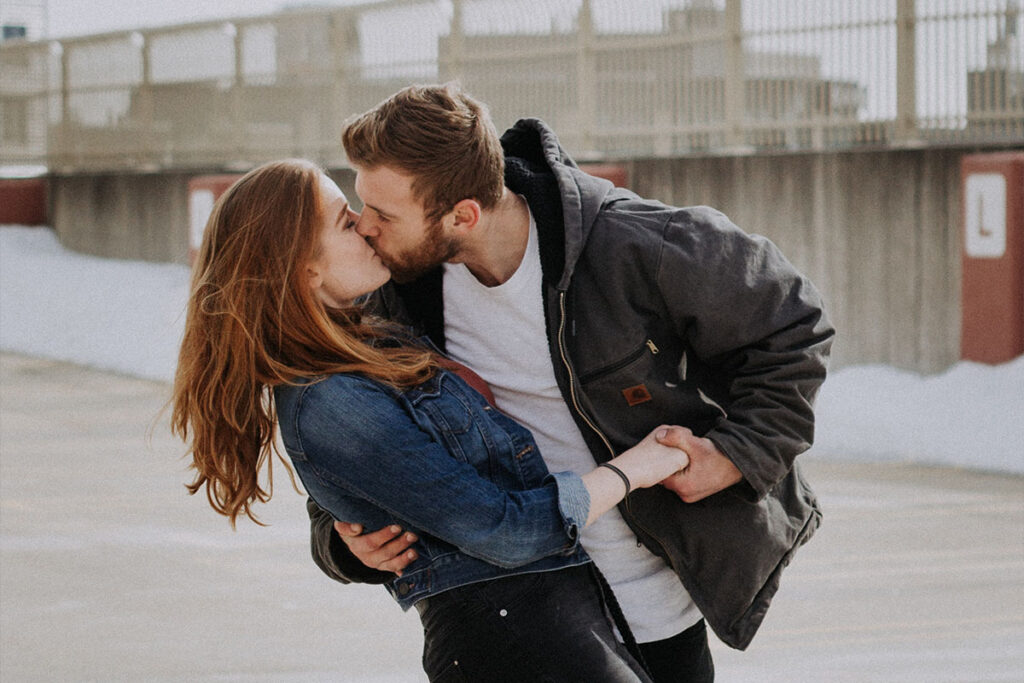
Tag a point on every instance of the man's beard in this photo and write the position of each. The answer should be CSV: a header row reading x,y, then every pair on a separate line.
x,y
434,249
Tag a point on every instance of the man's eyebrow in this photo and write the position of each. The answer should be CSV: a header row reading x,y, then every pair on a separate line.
x,y
380,212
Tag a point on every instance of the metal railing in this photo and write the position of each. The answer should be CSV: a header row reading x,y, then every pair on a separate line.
x,y
615,78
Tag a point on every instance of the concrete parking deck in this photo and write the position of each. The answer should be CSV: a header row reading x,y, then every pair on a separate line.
x,y
109,571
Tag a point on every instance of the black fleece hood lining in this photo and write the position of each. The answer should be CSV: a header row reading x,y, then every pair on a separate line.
x,y
536,165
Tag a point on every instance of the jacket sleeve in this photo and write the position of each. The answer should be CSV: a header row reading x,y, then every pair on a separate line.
x,y
380,455
747,313
332,555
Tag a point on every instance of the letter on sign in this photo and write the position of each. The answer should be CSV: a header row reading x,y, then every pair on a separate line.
x,y
985,215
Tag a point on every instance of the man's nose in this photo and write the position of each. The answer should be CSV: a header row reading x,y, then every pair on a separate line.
x,y
366,227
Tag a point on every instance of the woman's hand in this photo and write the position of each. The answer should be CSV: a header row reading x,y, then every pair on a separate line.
x,y
650,462
644,465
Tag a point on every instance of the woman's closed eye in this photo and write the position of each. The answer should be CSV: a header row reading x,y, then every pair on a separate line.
x,y
347,218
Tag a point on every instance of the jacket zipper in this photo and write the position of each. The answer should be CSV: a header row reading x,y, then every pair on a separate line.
x,y
601,372
579,409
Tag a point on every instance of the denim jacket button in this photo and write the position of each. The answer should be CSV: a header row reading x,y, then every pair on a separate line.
x,y
404,588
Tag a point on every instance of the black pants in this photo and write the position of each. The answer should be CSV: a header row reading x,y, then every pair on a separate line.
x,y
549,626
683,658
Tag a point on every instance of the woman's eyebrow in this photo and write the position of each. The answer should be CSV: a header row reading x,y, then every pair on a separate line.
x,y
342,213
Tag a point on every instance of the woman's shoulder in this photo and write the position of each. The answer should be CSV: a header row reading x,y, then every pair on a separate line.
x,y
344,383
331,392
338,401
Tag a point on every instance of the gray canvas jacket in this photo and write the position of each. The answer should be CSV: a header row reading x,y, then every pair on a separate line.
x,y
664,315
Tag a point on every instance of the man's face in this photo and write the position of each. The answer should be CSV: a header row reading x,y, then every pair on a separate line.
x,y
394,224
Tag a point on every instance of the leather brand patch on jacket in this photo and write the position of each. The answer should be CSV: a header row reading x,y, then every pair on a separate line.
x,y
636,395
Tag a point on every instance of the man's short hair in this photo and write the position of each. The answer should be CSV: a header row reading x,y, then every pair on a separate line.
x,y
440,136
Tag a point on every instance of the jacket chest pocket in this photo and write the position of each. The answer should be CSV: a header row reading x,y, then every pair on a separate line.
x,y
461,423
648,386
447,413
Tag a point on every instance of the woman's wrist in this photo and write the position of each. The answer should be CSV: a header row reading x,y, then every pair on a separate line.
x,y
620,474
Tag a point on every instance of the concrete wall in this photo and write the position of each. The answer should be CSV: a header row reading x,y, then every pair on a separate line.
x,y
126,216
878,232
141,217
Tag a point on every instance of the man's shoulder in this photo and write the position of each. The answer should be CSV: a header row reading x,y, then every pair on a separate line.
x,y
623,205
632,214
623,211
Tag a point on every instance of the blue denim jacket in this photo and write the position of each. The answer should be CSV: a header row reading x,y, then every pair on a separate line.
x,y
441,462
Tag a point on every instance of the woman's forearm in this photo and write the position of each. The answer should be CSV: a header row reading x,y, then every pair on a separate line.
x,y
642,466
606,490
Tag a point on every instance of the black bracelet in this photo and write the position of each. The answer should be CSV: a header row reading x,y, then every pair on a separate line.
x,y
622,475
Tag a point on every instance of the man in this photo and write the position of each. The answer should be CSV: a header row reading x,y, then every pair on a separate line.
x,y
596,315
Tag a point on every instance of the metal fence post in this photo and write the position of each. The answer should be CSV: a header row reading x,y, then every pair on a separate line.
x,y
342,80
906,86
734,74
149,151
585,81
64,136
241,140
454,55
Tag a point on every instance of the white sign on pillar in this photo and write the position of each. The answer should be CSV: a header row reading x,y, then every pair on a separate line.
x,y
985,215
200,206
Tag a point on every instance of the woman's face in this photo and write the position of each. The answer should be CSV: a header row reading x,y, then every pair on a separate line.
x,y
346,266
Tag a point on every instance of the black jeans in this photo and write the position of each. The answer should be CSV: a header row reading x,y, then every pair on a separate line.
x,y
683,658
549,626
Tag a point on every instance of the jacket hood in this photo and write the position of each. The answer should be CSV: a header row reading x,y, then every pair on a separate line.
x,y
564,200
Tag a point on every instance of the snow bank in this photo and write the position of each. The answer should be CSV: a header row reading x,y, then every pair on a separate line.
x,y
970,416
128,317
125,316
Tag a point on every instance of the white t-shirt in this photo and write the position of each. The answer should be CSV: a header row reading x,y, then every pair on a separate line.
x,y
499,332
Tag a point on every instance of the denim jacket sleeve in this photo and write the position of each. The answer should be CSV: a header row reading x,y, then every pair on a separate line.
x,y
381,454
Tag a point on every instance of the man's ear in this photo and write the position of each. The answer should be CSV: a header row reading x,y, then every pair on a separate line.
x,y
464,216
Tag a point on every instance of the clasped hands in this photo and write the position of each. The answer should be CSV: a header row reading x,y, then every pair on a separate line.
x,y
710,471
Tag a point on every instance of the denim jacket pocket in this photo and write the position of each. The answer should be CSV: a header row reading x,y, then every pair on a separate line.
x,y
450,411
457,418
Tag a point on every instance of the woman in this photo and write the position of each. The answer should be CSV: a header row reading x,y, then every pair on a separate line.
x,y
382,429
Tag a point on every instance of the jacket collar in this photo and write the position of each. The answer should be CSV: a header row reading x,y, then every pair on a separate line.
x,y
564,200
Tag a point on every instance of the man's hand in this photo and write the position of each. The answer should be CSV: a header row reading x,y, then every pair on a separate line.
x,y
710,471
386,549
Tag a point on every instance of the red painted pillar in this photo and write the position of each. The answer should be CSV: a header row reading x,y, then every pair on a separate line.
x,y
613,172
23,201
992,200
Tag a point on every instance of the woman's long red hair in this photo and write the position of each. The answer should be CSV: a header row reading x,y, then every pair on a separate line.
x,y
254,323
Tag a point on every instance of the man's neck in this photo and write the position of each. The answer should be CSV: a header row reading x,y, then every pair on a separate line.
x,y
498,244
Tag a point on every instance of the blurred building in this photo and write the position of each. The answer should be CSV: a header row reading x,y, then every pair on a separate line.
x,y
23,81
23,20
672,81
1000,86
